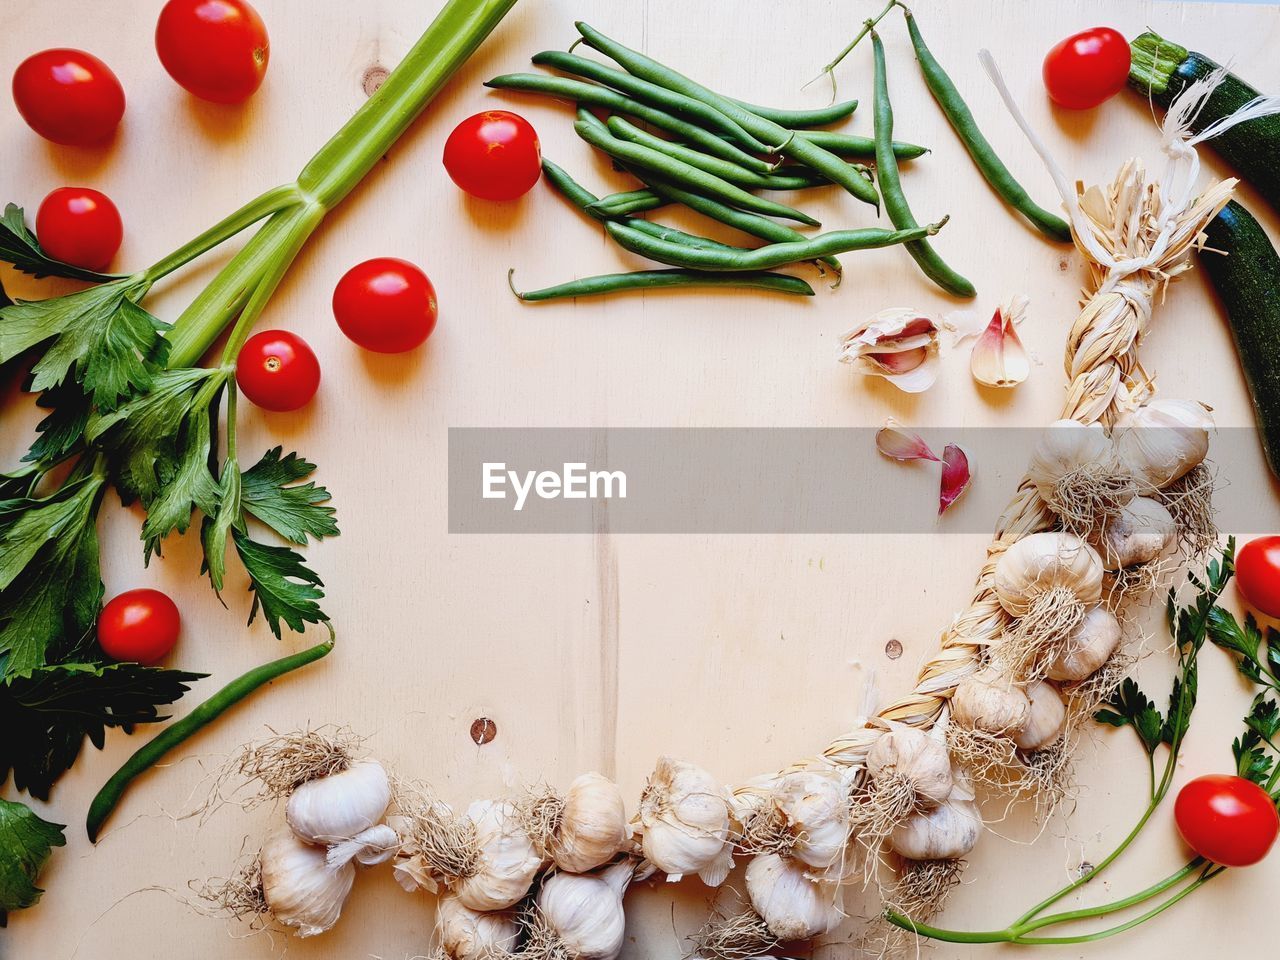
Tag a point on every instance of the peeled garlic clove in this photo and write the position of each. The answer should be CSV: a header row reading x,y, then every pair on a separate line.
x,y
337,807
914,755
378,844
299,887
947,832
898,344
1162,440
467,934
999,358
1091,645
1143,531
1046,721
793,906
990,703
585,914
593,825
507,858
815,806
1042,562
684,816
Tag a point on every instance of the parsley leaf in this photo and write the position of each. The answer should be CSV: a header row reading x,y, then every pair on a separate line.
x,y
19,246
282,584
26,841
1129,706
294,512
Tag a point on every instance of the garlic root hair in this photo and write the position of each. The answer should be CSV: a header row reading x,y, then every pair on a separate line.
x,y
1086,498
540,812
766,830
1025,651
877,810
282,763
1048,776
988,758
741,937
447,843
1086,697
1189,500
541,942
919,892
238,897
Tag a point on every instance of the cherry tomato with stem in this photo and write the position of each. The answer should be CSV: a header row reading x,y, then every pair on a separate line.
x,y
277,371
385,305
1087,68
1228,820
1258,574
216,49
68,96
494,155
79,226
139,626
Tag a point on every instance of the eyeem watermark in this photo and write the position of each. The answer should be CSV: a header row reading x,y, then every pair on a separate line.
x,y
573,482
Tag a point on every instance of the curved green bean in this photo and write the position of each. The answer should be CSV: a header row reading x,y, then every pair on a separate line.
x,y
628,202
660,279
579,92
149,753
895,201
762,258
788,142
799,119
984,156
640,89
597,134
851,145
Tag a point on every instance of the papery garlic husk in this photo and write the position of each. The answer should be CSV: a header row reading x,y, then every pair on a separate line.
x,y
1042,563
1161,441
912,756
947,832
684,819
467,934
341,805
793,905
376,845
593,825
898,344
582,915
507,862
990,703
999,358
1090,646
1046,721
1143,531
814,807
299,887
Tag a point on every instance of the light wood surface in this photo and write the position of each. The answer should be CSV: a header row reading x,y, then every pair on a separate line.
x,y
600,652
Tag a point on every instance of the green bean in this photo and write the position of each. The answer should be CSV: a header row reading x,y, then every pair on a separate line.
x,y
788,143
798,119
850,145
762,258
984,157
597,134
658,279
895,201
650,93
579,92
149,753
629,202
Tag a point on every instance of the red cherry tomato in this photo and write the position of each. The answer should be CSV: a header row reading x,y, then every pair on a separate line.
x,y
1087,68
494,155
217,49
69,97
1258,574
385,305
277,371
1226,819
79,226
139,626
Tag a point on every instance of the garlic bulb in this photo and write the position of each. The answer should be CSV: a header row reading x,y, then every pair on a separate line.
x,y
467,934
946,832
341,805
990,703
815,806
584,912
1043,563
1091,645
684,816
914,755
299,887
792,905
1143,531
1046,721
1161,441
593,825
507,861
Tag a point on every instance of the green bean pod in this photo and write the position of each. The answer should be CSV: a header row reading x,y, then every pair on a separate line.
x,y
851,145
784,141
174,734
597,134
661,279
984,156
762,258
799,119
576,91
651,93
628,202
895,201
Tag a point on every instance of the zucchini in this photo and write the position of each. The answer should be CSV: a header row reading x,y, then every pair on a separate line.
x,y
1247,279
1161,70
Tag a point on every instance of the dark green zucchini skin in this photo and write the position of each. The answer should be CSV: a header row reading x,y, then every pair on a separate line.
x,y
1247,279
